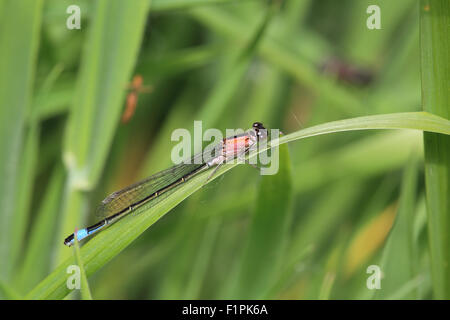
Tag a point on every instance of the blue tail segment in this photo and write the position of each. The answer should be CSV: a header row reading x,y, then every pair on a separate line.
x,y
83,233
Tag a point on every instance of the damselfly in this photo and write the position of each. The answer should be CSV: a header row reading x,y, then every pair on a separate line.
x,y
122,202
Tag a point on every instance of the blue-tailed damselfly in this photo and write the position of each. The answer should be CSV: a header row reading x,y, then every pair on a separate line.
x,y
122,202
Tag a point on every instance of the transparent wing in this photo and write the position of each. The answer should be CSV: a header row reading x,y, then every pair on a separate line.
x,y
124,198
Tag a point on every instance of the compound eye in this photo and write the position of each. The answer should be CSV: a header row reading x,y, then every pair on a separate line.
x,y
258,125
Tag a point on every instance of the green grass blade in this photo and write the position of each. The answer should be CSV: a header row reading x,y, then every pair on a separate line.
x,y
28,162
365,158
435,70
333,206
105,71
202,260
327,286
195,249
398,263
8,292
85,290
405,120
408,289
268,234
56,102
110,242
19,38
27,165
50,100
114,239
101,88
40,245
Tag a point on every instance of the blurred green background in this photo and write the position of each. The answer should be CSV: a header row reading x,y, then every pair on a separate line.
x,y
340,203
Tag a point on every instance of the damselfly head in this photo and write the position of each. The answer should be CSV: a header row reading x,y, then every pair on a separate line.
x,y
259,129
257,125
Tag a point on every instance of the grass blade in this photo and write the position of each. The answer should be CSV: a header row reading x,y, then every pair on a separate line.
x,y
101,88
268,234
8,292
85,291
28,165
18,51
435,67
40,245
107,244
398,262
405,120
105,71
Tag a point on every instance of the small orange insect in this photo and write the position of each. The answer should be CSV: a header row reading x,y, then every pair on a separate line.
x,y
132,97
